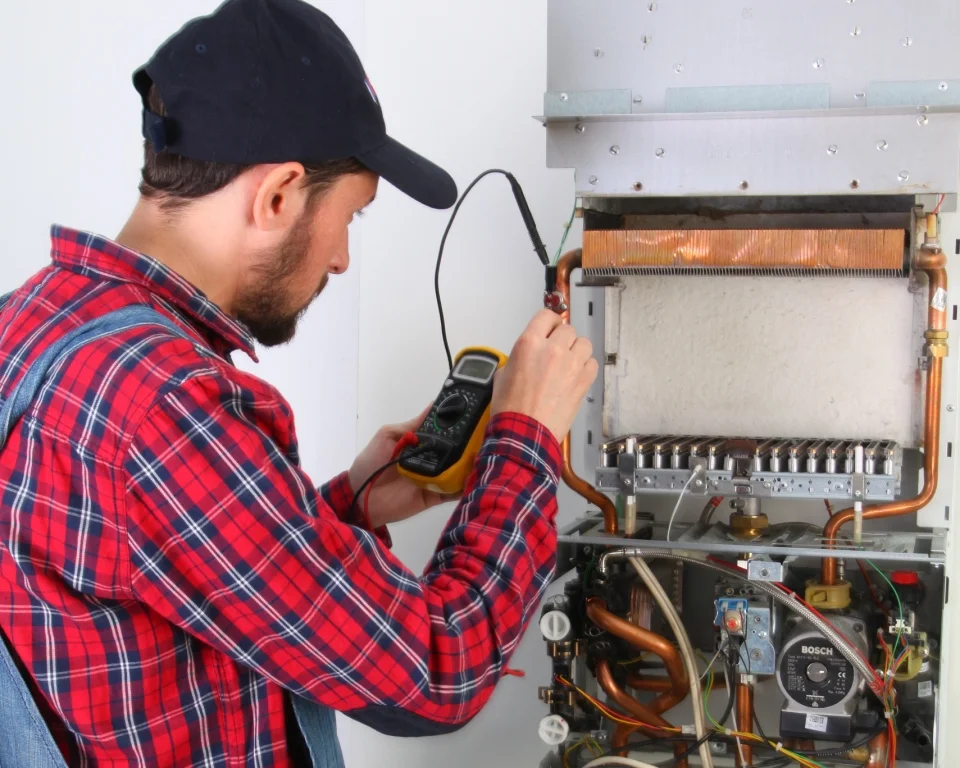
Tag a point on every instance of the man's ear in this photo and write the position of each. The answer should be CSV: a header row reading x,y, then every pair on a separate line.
x,y
280,197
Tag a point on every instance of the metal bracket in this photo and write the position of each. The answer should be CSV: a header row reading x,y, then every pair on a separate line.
x,y
764,570
700,485
626,472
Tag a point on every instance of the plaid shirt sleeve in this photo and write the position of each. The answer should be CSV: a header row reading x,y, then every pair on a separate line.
x,y
338,495
231,541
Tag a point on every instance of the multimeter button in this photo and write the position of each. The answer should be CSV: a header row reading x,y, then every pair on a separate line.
x,y
448,383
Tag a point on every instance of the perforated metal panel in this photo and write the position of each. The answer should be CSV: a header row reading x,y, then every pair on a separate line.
x,y
796,97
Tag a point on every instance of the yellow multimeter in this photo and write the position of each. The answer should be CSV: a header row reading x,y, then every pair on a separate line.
x,y
451,434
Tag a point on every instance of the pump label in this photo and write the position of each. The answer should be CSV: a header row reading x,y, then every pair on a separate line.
x,y
925,667
939,300
816,723
925,689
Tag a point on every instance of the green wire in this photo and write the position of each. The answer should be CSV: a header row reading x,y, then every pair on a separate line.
x,y
706,697
566,231
893,589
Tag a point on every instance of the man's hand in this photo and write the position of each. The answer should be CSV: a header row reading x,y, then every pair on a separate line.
x,y
393,498
549,373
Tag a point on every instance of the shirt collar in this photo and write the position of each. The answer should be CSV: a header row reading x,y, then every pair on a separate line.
x,y
103,259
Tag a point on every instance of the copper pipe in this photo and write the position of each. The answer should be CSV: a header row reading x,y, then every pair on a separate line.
x,y
660,684
645,640
933,262
649,683
878,751
568,262
635,709
744,723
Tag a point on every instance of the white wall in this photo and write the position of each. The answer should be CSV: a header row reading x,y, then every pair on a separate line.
x,y
459,83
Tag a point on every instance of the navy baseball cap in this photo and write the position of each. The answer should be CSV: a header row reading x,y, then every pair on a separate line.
x,y
272,81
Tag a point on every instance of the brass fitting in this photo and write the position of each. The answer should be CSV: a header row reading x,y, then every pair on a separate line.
x,y
828,597
936,345
748,526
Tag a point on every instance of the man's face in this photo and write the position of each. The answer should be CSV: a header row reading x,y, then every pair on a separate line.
x,y
287,279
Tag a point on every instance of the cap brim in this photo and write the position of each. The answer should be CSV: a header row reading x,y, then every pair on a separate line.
x,y
412,174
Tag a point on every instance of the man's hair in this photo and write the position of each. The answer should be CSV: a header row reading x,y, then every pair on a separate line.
x,y
174,180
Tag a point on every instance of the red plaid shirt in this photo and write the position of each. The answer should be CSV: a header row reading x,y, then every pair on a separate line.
x,y
167,570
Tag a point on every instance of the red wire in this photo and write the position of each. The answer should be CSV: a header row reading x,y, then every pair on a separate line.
x,y
407,440
937,209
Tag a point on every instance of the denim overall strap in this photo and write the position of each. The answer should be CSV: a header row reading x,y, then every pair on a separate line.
x,y
34,746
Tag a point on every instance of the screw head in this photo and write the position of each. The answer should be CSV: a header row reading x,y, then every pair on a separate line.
x,y
638,99
590,398
903,175
597,53
859,95
614,150
855,184
906,42
758,619
943,86
660,152
855,32
579,127
923,120
882,145
832,149
756,654
593,180
950,408
637,186
858,627
819,63
857,493
563,97
699,483
678,68
744,184
628,482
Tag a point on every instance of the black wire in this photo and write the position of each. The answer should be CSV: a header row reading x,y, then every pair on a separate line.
x,y
425,446
443,241
528,223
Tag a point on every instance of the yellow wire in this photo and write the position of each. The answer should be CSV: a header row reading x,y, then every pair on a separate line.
x,y
609,713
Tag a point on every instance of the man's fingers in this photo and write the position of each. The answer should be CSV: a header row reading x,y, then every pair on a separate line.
x,y
582,349
543,323
564,336
396,431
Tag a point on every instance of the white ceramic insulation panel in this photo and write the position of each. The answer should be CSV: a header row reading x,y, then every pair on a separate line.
x,y
764,357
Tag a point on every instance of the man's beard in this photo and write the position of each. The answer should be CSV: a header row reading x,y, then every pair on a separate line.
x,y
264,308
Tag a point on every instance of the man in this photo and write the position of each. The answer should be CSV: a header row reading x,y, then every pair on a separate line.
x,y
176,590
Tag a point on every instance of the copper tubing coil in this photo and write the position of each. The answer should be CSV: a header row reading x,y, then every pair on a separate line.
x,y
635,709
867,251
565,266
744,706
933,262
645,640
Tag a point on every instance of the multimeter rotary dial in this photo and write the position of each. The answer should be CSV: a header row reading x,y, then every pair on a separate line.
x,y
451,411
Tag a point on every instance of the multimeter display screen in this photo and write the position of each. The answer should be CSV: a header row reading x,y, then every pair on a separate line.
x,y
475,369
